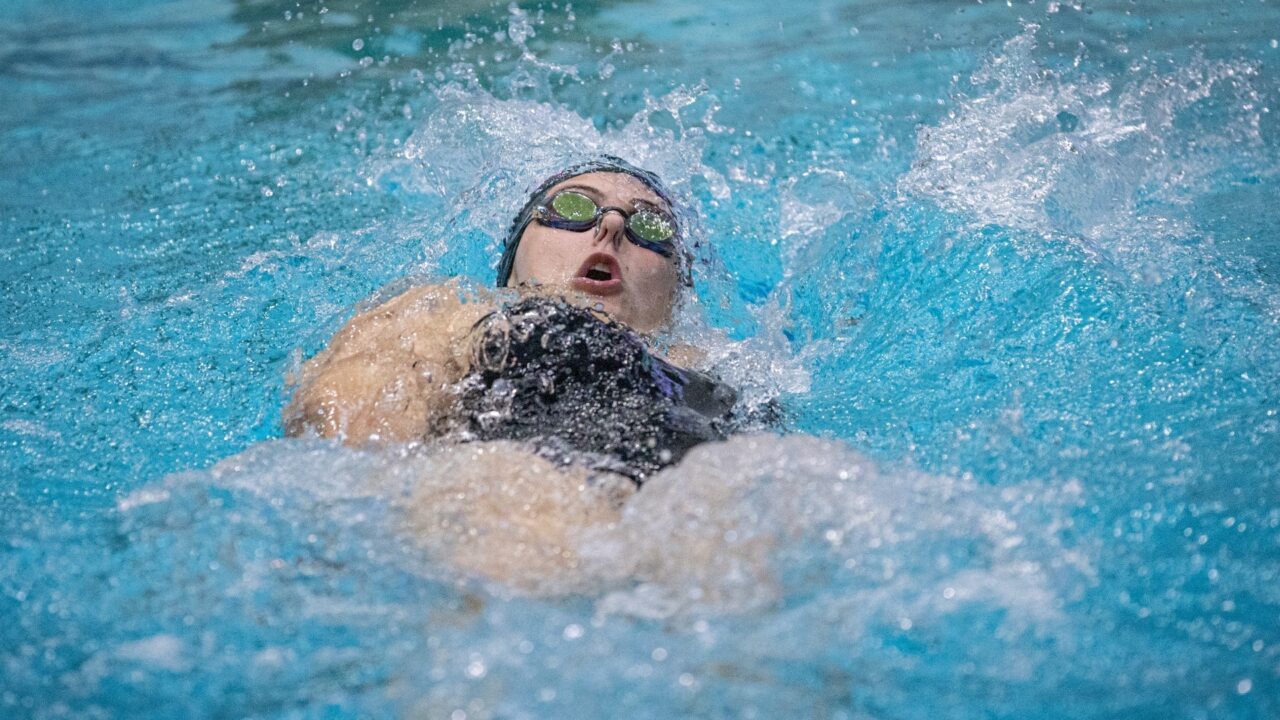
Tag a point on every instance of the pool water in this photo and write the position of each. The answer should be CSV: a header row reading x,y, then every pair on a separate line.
x,y
1011,267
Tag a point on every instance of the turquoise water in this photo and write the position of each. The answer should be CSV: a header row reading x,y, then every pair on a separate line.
x,y
1013,265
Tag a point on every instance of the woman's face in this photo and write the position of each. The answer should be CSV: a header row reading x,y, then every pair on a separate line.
x,y
635,285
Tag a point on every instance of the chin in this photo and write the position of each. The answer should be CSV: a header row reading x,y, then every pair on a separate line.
x,y
615,309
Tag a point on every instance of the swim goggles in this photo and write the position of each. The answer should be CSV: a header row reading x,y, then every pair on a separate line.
x,y
646,227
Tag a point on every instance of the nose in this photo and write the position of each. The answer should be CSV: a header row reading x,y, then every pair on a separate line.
x,y
611,227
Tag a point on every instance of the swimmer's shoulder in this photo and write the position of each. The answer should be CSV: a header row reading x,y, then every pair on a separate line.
x,y
388,371
420,317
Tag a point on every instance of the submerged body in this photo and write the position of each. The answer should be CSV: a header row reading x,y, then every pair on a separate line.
x,y
547,416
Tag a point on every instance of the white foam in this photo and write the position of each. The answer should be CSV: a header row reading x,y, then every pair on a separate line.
x,y
1071,156
736,527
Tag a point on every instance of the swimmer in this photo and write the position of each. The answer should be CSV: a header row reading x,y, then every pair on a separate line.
x,y
580,383
556,396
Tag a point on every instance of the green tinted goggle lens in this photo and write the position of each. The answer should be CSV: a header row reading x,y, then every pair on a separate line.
x,y
574,206
651,226
646,225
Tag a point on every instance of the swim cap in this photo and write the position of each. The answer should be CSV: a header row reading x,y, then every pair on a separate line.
x,y
604,163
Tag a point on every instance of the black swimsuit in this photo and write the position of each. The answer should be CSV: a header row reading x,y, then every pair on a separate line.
x,y
585,390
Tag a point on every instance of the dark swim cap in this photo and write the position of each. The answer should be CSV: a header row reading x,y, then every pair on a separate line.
x,y
604,163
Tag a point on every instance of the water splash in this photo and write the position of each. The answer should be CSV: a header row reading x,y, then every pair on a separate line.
x,y
1108,165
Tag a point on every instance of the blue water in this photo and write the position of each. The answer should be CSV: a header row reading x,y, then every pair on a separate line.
x,y
1011,267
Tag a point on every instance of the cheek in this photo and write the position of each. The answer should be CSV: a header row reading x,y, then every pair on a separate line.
x,y
520,268
533,258
659,280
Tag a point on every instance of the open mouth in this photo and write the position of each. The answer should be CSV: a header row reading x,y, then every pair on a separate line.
x,y
600,274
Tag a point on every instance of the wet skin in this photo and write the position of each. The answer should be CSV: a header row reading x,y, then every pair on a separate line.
x,y
642,285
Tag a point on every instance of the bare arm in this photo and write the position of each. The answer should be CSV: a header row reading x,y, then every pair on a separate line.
x,y
385,374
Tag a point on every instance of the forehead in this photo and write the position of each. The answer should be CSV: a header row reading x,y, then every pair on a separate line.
x,y
613,187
